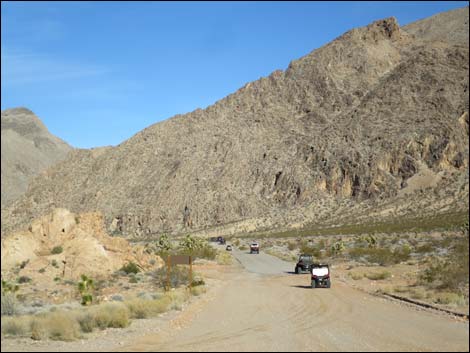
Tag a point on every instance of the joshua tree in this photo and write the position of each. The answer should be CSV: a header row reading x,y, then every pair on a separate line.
x,y
85,287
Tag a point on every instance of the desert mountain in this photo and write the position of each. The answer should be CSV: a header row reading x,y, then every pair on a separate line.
x,y
372,125
28,148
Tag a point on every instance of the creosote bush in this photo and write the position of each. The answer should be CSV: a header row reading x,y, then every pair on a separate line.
x,y
57,250
130,267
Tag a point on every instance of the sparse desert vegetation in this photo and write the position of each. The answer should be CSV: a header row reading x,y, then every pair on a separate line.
x,y
427,266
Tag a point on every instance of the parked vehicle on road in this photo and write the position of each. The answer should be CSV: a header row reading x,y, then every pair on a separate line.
x,y
304,264
228,247
221,240
254,248
320,276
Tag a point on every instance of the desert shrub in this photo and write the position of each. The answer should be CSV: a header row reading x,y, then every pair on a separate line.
x,y
224,258
197,291
130,267
42,270
17,326
450,273
54,263
24,263
417,294
133,278
400,290
377,276
110,315
381,256
142,308
305,248
431,273
61,326
425,248
9,304
197,282
291,246
177,299
243,247
449,298
7,287
86,321
179,276
57,250
205,251
24,279
236,242
355,276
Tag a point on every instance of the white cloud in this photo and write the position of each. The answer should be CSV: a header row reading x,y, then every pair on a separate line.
x,y
26,68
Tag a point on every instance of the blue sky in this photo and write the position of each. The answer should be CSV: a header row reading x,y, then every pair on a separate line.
x,y
96,73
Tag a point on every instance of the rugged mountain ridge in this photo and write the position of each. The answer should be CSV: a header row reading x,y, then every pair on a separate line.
x,y
348,124
28,148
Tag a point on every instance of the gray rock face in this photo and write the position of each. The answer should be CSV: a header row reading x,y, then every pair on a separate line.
x,y
27,149
349,124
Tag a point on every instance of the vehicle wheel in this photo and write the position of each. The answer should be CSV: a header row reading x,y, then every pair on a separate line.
x,y
314,283
296,270
328,284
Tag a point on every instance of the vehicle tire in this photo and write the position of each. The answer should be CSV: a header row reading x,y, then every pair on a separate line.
x,y
328,284
296,270
314,284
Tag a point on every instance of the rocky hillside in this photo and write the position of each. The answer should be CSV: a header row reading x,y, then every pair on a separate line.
x,y
377,117
28,148
84,246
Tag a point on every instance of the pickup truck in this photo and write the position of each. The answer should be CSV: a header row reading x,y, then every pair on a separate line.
x,y
254,248
320,276
304,263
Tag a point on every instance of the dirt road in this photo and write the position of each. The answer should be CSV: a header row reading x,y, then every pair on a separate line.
x,y
263,307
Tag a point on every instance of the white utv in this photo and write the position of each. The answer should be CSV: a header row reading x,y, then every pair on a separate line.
x,y
320,275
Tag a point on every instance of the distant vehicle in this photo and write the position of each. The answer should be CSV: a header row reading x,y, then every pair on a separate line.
x,y
320,275
304,264
254,248
229,248
221,240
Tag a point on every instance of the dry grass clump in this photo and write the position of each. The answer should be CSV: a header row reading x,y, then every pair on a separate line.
x,y
356,276
9,304
197,291
71,325
62,326
16,326
110,315
377,276
450,298
142,308
224,258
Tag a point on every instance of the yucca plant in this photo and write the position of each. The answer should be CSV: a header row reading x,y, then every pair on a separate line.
x,y
85,287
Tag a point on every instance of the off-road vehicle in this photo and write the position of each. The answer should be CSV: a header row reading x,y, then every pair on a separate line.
x,y
320,275
304,264
254,248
